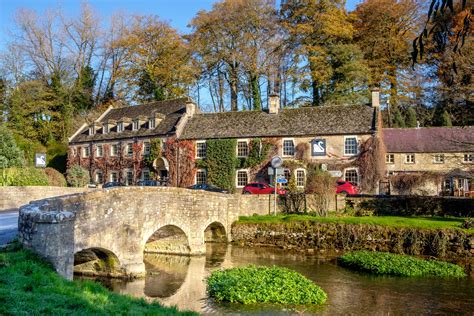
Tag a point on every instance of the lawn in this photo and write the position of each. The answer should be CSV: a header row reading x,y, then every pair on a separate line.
x,y
393,221
29,286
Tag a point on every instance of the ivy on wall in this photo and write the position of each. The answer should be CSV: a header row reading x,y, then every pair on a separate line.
x,y
181,158
221,162
155,152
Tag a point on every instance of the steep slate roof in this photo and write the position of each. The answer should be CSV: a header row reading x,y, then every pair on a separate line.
x,y
429,139
305,121
172,109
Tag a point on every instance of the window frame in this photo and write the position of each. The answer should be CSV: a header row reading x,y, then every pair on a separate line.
x,y
390,161
145,145
105,128
204,171
101,148
112,154
356,143
283,147
152,123
200,142
86,153
142,176
127,171
129,149
246,141
304,177
96,177
237,177
468,158
358,175
406,161
438,161
120,127
111,176
135,125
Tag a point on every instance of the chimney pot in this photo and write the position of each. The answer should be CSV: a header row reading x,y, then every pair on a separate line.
x,y
375,97
273,103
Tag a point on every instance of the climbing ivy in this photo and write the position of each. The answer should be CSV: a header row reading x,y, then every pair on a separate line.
x,y
155,152
221,162
258,153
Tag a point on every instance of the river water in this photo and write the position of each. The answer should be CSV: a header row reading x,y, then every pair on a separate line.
x,y
180,281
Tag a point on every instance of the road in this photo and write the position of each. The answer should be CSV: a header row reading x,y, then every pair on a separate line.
x,y
8,226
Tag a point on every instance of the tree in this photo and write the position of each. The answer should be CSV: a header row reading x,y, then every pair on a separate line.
x,y
411,120
398,120
10,154
314,28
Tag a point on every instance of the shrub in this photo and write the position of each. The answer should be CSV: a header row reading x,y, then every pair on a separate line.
x,y
320,185
77,176
11,155
251,284
55,178
399,265
468,223
24,177
57,156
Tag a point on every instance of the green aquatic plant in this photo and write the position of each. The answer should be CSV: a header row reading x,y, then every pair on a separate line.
x,y
399,265
251,284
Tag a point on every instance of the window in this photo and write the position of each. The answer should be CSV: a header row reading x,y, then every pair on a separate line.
x,y
390,158
85,152
242,148
242,178
130,149
201,149
114,150
120,127
350,146
201,176
410,158
288,147
99,151
287,174
146,175
468,158
113,176
99,177
300,177
151,123
146,148
438,158
352,176
91,130
105,129
136,125
129,178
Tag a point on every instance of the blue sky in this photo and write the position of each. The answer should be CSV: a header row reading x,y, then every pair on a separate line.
x,y
177,12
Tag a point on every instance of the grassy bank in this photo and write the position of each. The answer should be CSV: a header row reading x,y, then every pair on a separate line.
x,y
29,286
399,265
251,285
391,221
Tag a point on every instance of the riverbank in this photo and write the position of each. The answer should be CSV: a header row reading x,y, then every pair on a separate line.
x,y
432,237
29,285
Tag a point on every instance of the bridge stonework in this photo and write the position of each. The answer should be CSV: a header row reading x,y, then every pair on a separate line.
x,y
121,220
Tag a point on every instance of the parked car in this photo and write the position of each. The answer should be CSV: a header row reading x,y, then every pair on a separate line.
x,y
345,187
148,183
207,187
112,184
261,188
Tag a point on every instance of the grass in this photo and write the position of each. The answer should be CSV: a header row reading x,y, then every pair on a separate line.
x,y
251,285
29,286
393,221
399,265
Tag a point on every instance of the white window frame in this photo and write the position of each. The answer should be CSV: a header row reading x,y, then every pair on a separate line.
x,y
91,131
357,146
388,160
438,158
352,169
105,129
304,177
237,177
196,176
135,125
152,123
120,127
142,175
101,147
283,147
128,147
468,158
205,151
111,174
146,152
407,160
126,176
237,148
86,152
112,154
97,172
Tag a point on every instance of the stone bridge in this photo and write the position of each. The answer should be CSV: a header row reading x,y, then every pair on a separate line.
x,y
124,222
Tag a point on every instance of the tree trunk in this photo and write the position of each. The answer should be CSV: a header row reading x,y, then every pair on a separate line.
x,y
256,99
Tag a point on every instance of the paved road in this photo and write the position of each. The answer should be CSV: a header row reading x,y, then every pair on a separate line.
x,y
8,226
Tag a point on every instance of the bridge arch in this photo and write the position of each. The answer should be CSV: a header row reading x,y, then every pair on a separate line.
x,y
97,261
215,232
168,239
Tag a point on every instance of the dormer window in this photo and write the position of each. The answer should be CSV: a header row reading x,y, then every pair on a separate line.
x,y
91,130
105,129
120,127
151,123
136,125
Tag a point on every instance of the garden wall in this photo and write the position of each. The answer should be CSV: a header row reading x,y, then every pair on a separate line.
x,y
12,198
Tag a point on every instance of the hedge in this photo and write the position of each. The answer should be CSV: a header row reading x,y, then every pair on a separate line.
x,y
23,177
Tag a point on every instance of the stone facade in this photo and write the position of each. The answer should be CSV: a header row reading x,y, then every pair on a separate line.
x,y
428,162
121,221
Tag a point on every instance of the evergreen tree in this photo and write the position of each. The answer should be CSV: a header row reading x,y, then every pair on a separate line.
x,y
411,120
10,154
83,96
398,120
446,119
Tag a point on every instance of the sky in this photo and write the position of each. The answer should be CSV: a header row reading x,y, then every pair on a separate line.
x,y
177,12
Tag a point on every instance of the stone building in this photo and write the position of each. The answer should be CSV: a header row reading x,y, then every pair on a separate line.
x,y
117,145
443,156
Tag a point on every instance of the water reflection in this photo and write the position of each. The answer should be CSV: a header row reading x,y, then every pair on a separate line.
x,y
180,280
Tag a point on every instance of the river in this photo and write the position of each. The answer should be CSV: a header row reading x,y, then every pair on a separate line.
x,y
180,281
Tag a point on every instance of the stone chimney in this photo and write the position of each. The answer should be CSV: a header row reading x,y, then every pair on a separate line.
x,y
190,107
375,97
273,103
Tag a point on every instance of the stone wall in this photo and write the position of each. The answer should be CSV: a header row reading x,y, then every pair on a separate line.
x,y
12,198
426,162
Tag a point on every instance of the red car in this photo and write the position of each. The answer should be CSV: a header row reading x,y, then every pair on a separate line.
x,y
345,187
261,188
